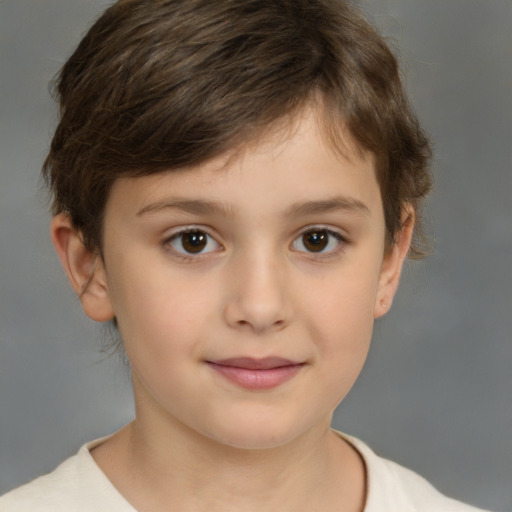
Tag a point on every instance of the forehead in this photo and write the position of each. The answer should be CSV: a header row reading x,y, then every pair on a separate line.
x,y
291,163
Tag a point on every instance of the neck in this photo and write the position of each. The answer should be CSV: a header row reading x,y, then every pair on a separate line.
x,y
206,465
161,464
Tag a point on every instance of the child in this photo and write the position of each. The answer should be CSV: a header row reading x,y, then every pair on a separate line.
x,y
236,185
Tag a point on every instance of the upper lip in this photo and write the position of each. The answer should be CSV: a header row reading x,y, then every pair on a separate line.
x,y
249,363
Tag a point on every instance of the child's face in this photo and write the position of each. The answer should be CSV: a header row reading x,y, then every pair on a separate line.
x,y
276,259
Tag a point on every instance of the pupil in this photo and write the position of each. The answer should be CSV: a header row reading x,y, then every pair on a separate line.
x,y
315,241
194,242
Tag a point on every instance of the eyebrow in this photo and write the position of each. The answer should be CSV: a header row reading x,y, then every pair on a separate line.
x,y
345,204
194,206
206,207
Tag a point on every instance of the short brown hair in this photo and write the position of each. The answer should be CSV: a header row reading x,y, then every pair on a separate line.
x,y
157,85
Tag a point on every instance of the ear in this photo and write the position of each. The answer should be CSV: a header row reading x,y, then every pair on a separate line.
x,y
392,264
85,269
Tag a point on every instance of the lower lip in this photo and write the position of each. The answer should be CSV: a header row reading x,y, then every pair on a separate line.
x,y
257,379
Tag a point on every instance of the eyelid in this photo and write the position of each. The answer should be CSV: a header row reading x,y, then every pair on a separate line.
x,y
334,230
191,228
336,233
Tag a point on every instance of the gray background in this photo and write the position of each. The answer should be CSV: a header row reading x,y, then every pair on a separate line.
x,y
435,394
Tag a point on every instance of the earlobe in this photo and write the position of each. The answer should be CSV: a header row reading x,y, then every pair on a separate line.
x,y
85,269
393,263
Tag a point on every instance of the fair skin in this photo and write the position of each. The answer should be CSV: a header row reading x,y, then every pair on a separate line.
x,y
246,331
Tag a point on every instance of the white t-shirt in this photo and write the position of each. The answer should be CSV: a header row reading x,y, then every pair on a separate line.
x,y
79,485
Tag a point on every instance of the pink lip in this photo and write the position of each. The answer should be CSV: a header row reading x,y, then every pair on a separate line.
x,y
257,374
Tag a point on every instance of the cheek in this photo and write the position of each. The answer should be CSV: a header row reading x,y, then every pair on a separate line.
x,y
158,314
344,331
162,329
340,321
341,305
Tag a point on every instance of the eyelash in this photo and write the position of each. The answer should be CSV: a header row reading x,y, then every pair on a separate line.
x,y
190,256
185,255
340,241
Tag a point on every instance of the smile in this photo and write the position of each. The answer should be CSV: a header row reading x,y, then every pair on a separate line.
x,y
257,374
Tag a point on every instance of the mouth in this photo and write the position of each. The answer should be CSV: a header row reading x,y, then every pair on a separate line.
x,y
257,374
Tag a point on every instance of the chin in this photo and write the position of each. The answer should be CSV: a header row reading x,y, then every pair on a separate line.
x,y
260,434
256,441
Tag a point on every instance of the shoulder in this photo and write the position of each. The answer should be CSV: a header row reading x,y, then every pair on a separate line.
x,y
46,491
78,484
394,487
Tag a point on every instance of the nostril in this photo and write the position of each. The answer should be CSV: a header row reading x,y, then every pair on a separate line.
x,y
257,304
258,324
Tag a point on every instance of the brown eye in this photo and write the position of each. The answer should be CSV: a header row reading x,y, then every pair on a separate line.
x,y
315,241
193,242
318,241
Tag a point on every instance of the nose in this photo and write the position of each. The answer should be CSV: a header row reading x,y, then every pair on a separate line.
x,y
257,298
